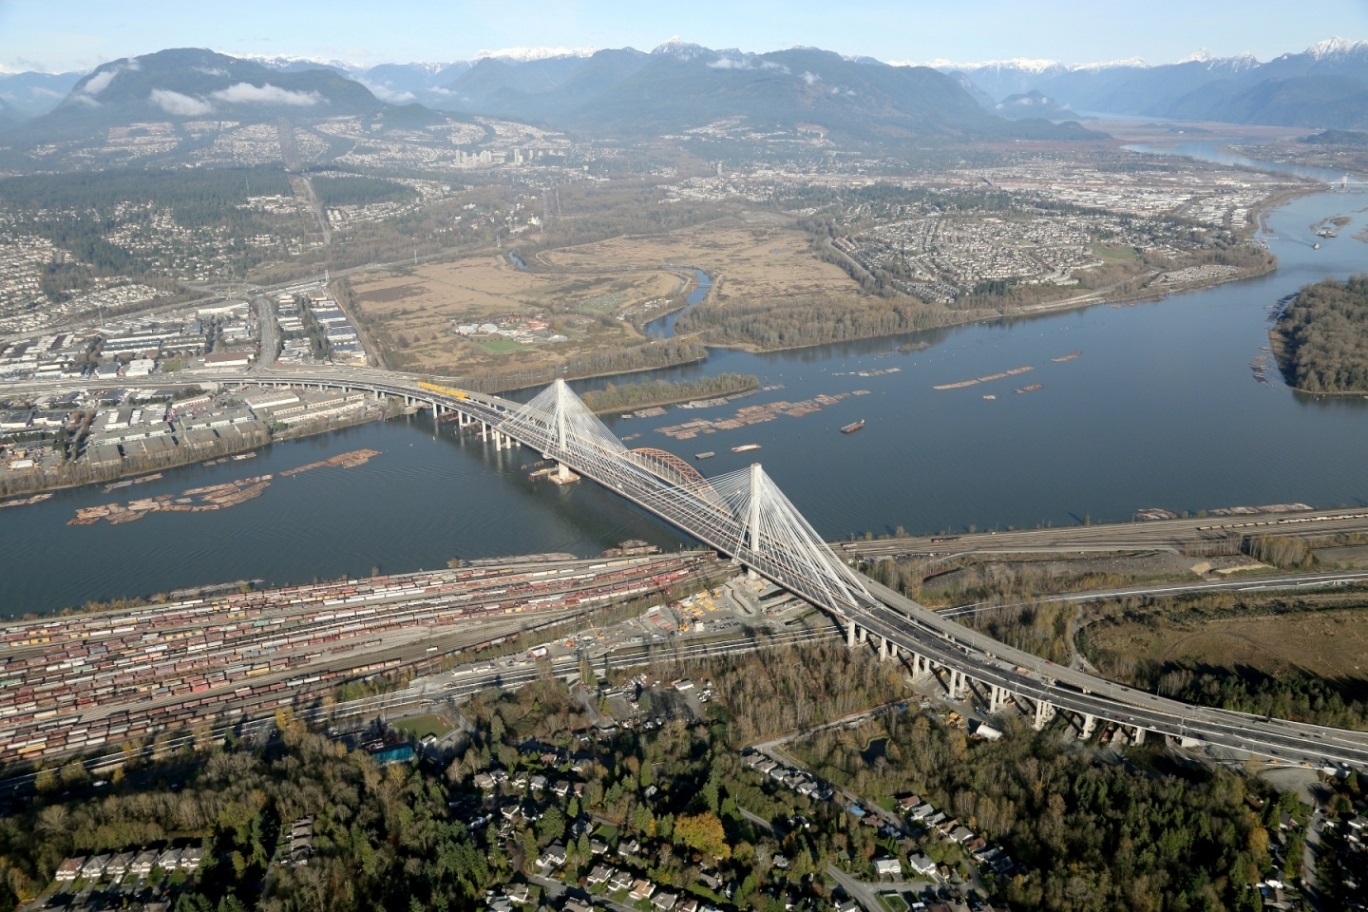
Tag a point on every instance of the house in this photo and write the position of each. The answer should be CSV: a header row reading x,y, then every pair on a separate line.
x,y
538,783
664,900
961,834
642,889
600,874
908,803
191,857
142,864
561,788
484,782
622,880
577,905
628,848
94,866
598,846
519,893
70,869
552,858
922,865
118,865
887,867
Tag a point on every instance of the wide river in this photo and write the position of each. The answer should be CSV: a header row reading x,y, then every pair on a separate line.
x,y
1161,408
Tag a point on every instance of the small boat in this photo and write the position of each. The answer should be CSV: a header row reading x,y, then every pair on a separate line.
x,y
707,454
853,427
745,447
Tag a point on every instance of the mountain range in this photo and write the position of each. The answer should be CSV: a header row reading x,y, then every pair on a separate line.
x,y
623,93
1325,86
681,86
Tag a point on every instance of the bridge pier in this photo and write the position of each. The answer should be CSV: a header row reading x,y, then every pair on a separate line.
x,y
1089,726
883,649
997,698
956,683
850,633
1044,712
1138,736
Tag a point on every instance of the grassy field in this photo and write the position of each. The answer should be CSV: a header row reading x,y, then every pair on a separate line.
x,y
424,725
745,262
412,315
1330,643
1113,255
582,291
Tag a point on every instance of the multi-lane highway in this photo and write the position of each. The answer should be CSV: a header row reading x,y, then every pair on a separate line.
x,y
918,631
1161,534
991,662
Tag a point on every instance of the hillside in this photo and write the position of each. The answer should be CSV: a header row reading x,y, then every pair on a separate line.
x,y
680,87
1323,86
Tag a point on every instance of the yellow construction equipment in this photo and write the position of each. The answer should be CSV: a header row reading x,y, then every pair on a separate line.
x,y
444,390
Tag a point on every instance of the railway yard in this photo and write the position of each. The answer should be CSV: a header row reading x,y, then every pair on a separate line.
x,y
85,683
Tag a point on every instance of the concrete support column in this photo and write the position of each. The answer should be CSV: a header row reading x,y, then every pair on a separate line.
x,y
1089,726
861,635
850,633
1044,712
956,682
1139,736
883,649
893,650
996,698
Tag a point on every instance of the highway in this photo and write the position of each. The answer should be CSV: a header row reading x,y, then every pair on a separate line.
x,y
1282,582
991,662
887,614
1161,534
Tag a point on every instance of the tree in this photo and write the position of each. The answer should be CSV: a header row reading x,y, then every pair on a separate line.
x,y
703,833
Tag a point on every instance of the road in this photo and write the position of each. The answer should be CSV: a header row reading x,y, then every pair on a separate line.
x,y
1163,534
991,662
1282,582
270,346
905,623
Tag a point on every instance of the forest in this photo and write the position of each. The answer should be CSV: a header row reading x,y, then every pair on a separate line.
x,y
1321,337
622,397
1138,835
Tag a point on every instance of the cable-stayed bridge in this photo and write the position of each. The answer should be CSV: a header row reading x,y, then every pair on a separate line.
x,y
744,515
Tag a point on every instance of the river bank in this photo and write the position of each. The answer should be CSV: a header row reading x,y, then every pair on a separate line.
x,y
649,394
245,444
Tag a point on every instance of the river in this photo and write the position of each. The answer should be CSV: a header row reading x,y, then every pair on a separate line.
x,y
1161,408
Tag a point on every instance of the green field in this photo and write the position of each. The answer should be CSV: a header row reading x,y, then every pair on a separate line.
x,y
424,725
1113,255
498,345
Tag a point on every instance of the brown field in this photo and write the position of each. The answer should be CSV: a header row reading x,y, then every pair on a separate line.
x,y
581,290
1329,644
412,315
746,262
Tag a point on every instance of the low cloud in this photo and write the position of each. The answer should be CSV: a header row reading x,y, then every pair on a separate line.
x,y
810,78
100,81
385,93
246,93
212,71
738,63
178,104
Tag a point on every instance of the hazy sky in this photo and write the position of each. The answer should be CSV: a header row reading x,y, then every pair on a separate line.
x,y
59,35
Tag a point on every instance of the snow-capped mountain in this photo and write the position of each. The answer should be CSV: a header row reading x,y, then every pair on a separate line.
x,y
1326,85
